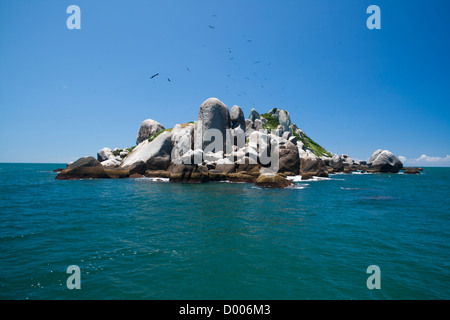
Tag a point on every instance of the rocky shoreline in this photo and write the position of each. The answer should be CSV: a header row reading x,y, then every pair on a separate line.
x,y
224,146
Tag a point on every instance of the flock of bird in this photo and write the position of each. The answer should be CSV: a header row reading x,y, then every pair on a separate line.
x,y
230,58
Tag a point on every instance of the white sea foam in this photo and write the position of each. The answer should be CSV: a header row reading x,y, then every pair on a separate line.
x,y
321,179
299,179
359,172
298,186
151,179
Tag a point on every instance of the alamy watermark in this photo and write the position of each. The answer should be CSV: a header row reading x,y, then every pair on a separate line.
x,y
374,21
374,281
73,281
74,20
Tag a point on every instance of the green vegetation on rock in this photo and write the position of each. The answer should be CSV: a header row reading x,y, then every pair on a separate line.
x,y
130,150
153,137
272,122
316,148
117,152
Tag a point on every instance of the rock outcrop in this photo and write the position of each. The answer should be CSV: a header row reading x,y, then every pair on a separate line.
x,y
237,118
182,141
147,129
412,170
272,181
289,159
83,168
223,145
253,115
104,154
311,165
384,161
284,119
213,116
147,155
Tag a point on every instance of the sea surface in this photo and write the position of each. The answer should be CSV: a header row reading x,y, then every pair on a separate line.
x,y
144,239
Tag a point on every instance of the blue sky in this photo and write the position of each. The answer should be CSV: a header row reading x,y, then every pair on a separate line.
x,y
68,93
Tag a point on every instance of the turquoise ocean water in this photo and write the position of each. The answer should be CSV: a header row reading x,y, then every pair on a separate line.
x,y
140,239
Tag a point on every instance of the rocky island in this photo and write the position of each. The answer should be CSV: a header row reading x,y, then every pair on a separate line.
x,y
222,145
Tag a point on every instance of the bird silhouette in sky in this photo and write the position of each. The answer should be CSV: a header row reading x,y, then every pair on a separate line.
x,y
155,75
211,26
188,69
168,80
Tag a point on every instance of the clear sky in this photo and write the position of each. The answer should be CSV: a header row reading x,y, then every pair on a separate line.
x,y
68,93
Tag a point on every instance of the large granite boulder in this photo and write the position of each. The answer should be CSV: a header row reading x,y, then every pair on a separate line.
x,y
311,165
284,119
336,163
104,154
111,163
83,168
248,124
182,141
272,181
348,162
147,155
237,118
248,128
384,161
213,114
258,125
289,160
147,129
253,115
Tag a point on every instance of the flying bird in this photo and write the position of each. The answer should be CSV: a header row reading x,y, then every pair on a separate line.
x,y
211,26
257,62
168,80
155,75
188,69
